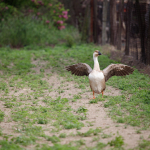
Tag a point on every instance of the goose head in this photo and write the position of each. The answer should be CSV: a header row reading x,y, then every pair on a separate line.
x,y
96,53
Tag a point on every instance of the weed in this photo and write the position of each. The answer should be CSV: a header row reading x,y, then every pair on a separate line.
x,y
81,86
9,145
120,120
53,139
80,142
95,139
58,147
81,109
77,96
117,142
42,121
30,130
101,145
90,132
89,123
1,116
9,104
69,41
73,100
62,135
23,140
82,117
93,101
105,135
3,86
144,144
138,131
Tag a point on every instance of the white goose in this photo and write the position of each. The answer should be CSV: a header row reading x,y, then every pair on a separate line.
x,y
97,77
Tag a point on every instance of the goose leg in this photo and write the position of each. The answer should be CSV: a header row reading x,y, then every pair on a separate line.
x,y
102,94
93,96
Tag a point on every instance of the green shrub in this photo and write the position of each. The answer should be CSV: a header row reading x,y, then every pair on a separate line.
x,y
25,31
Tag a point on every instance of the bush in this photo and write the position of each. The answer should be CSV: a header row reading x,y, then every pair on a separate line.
x,y
20,32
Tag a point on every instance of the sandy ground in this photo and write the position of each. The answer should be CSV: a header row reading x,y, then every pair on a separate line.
x,y
97,115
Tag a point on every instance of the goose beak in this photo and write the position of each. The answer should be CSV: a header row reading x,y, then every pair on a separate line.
x,y
99,53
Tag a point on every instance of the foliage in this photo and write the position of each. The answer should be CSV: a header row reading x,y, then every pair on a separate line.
x,y
21,32
117,142
58,147
144,145
32,22
6,11
46,11
1,116
9,145
23,140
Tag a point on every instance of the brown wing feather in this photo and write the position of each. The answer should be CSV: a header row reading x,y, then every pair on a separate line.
x,y
79,69
117,70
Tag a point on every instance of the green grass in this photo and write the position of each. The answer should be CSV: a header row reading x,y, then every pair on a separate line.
x,y
62,135
144,145
1,116
9,145
23,140
90,132
59,147
53,139
27,95
117,142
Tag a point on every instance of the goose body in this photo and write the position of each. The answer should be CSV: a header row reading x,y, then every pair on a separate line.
x,y
97,77
97,81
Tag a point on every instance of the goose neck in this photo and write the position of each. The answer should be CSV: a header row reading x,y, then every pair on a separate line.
x,y
96,64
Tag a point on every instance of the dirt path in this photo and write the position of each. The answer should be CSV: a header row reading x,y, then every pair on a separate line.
x,y
97,115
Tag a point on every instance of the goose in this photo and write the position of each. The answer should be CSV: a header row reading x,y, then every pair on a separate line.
x,y
97,77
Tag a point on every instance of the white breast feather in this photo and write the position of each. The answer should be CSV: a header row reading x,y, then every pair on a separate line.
x,y
96,75
95,81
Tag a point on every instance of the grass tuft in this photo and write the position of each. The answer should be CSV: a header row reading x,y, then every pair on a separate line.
x,y
117,142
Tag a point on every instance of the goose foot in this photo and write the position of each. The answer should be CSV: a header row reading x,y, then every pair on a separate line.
x,y
93,96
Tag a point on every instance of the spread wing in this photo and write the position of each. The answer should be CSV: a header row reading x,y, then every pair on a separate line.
x,y
80,69
117,70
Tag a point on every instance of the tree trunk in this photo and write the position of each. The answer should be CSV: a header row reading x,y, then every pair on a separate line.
x,y
105,4
91,24
121,5
128,21
113,26
95,23
85,24
142,31
147,35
